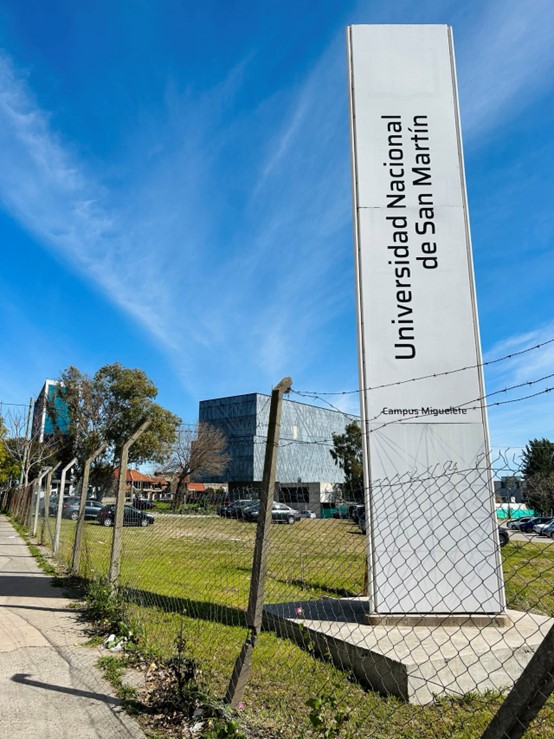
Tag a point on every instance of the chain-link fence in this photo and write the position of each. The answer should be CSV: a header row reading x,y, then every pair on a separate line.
x,y
324,658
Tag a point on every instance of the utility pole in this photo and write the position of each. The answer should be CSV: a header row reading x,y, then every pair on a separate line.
x,y
241,673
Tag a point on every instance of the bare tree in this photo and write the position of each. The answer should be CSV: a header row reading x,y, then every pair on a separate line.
x,y
200,449
27,451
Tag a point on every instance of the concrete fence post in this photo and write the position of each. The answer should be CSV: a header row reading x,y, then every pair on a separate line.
x,y
76,559
60,506
47,491
38,484
115,559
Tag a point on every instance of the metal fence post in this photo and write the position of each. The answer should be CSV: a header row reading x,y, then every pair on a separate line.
x,y
60,506
115,559
254,614
76,560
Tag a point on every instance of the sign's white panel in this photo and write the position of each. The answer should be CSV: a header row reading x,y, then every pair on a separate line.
x,y
422,386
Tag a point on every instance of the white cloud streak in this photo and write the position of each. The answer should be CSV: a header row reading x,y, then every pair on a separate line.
x,y
506,60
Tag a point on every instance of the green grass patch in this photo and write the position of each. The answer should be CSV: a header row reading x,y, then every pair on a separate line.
x,y
193,572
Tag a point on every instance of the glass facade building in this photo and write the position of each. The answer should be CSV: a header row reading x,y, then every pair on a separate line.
x,y
306,439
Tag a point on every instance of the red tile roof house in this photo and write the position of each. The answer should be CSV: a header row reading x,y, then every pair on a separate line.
x,y
154,487
146,486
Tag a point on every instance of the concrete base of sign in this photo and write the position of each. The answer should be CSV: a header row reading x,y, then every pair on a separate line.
x,y
417,663
501,620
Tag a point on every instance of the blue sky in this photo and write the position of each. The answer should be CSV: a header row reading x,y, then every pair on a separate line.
x,y
175,193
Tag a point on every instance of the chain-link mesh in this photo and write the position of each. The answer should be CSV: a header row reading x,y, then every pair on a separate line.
x,y
322,655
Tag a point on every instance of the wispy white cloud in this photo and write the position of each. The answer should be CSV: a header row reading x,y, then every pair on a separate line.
x,y
45,185
506,60
526,411
201,280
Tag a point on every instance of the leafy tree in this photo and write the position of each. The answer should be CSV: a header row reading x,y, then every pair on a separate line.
x,y
198,450
106,408
9,469
347,454
538,471
537,457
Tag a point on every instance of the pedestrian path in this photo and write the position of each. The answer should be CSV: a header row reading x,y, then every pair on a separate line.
x,y
49,684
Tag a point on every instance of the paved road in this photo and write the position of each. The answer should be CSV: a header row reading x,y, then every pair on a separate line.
x,y
49,685
524,537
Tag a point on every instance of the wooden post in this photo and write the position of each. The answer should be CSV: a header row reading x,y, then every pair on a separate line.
x,y
77,544
115,559
60,506
241,672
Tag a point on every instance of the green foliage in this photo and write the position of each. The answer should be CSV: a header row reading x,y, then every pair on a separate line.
x,y
538,458
347,454
538,470
9,467
107,407
105,606
219,727
327,717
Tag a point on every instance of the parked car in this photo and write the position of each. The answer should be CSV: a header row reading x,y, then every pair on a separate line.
x,y
307,514
548,530
539,528
515,523
235,508
528,526
131,516
280,513
503,536
70,509
67,501
142,503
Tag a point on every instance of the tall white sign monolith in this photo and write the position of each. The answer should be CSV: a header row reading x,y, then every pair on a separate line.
x,y
433,542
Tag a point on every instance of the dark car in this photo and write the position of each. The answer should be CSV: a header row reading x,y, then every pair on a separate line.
x,y
142,503
235,508
280,513
131,516
527,526
67,501
503,536
70,508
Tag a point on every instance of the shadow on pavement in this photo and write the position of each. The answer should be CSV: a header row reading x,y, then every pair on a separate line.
x,y
28,586
23,678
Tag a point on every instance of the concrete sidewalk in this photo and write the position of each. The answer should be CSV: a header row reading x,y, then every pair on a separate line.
x,y
48,682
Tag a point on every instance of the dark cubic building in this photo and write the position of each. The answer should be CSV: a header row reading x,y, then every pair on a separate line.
x,y
306,472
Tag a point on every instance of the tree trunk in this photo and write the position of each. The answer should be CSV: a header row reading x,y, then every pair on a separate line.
x,y
180,491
